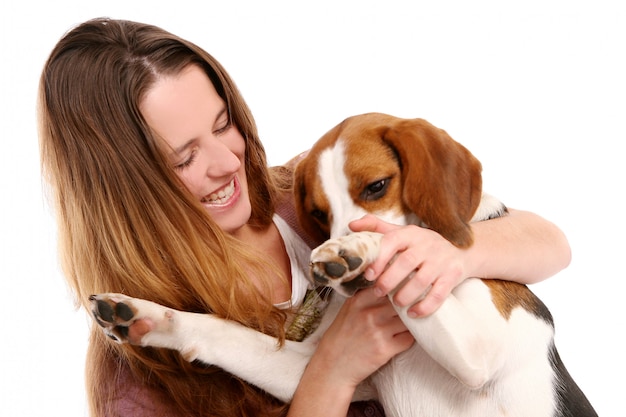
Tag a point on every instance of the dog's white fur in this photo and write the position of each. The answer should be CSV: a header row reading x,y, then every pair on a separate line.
x,y
469,359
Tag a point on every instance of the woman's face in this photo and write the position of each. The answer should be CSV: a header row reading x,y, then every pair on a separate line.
x,y
205,149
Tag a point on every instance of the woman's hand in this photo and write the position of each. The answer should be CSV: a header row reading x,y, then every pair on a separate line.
x,y
366,333
521,247
364,336
436,266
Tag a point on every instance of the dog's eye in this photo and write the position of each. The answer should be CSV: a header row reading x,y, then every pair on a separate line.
x,y
320,216
375,190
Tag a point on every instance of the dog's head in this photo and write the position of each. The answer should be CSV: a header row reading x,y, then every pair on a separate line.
x,y
402,170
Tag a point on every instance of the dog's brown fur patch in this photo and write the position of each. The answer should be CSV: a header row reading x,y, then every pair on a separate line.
x,y
507,295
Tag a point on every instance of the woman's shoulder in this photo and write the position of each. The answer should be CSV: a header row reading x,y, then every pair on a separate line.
x,y
132,398
286,210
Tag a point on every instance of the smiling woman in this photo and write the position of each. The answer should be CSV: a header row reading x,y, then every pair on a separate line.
x,y
182,213
138,229
204,145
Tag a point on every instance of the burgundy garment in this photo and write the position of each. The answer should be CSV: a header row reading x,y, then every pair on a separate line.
x,y
287,212
138,400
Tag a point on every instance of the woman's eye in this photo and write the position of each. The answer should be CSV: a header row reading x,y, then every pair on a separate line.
x,y
375,190
187,162
222,129
225,124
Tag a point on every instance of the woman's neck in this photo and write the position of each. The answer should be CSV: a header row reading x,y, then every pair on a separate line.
x,y
270,243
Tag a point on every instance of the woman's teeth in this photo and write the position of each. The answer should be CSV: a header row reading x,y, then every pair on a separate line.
x,y
221,196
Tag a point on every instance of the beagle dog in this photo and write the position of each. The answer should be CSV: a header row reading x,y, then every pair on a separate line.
x,y
487,351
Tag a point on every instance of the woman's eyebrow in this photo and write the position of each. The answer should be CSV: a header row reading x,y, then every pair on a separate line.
x,y
184,146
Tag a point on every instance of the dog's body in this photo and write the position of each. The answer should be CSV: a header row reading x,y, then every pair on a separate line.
x,y
487,351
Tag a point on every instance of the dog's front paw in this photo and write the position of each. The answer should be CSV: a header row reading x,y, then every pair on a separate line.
x,y
339,263
128,320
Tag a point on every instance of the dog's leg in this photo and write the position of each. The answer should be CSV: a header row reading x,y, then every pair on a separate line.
x,y
464,345
244,352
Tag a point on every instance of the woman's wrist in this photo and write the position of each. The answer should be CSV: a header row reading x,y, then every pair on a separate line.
x,y
520,246
320,393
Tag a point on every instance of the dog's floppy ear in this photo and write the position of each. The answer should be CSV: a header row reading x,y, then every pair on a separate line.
x,y
442,181
304,203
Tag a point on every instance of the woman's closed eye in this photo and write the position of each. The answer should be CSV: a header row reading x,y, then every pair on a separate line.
x,y
224,124
186,162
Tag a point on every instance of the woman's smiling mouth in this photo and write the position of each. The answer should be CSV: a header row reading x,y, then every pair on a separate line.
x,y
222,196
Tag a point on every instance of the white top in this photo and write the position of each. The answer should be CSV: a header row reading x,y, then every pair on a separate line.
x,y
299,255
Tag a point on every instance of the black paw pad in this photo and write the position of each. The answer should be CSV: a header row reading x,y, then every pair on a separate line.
x,y
319,278
334,269
123,311
353,261
104,311
122,331
358,283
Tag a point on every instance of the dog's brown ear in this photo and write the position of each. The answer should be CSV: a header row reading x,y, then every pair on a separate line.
x,y
442,182
305,205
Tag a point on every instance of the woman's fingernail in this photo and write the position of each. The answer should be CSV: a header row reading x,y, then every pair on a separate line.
x,y
369,274
378,292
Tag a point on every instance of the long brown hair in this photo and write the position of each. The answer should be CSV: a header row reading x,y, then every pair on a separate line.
x,y
127,224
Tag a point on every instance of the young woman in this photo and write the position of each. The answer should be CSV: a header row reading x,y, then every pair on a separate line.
x,y
162,192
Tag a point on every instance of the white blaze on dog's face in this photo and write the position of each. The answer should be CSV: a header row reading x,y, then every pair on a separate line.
x,y
363,184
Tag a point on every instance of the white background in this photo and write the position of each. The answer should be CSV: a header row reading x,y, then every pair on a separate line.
x,y
536,89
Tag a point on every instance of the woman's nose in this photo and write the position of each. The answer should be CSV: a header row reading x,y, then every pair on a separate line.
x,y
221,160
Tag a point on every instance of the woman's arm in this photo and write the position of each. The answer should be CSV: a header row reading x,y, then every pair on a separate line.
x,y
520,246
366,333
